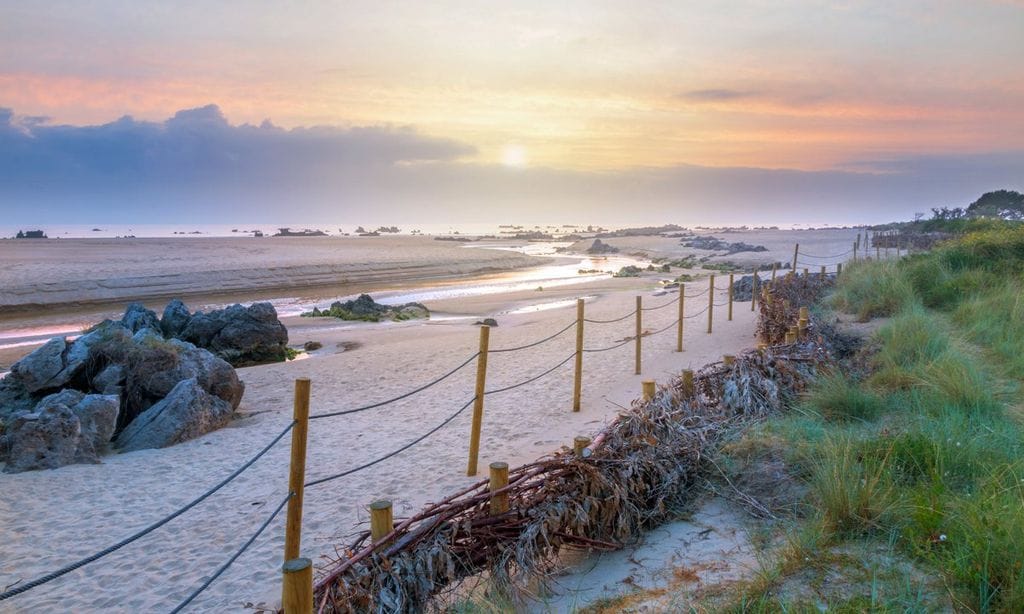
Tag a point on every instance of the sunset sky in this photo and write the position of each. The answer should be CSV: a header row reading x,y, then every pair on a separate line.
x,y
780,110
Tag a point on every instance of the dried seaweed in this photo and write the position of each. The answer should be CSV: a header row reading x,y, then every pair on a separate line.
x,y
642,469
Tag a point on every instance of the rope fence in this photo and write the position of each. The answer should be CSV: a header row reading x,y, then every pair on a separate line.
x,y
297,587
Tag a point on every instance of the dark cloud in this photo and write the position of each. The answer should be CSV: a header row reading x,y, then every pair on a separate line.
x,y
196,167
715,95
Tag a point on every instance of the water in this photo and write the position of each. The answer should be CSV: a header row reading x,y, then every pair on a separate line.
x,y
563,271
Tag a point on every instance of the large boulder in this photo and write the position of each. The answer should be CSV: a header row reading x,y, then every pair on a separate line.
x,y
187,412
175,319
242,336
136,317
40,369
156,366
64,428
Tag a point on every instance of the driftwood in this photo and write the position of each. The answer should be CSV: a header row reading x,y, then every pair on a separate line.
x,y
642,469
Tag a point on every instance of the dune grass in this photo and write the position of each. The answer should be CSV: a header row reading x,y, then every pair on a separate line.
x,y
925,450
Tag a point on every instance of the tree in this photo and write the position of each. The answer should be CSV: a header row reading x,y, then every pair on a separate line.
x,y
1003,204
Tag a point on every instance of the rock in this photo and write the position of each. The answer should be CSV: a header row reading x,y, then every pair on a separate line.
x,y
14,399
600,247
187,412
312,346
366,309
176,317
412,311
251,336
486,322
156,368
65,428
110,380
242,336
137,317
39,370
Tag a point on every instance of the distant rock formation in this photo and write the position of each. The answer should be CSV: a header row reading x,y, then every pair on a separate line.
x,y
600,247
714,244
30,234
365,309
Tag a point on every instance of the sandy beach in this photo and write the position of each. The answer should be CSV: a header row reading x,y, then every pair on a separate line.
x,y
55,517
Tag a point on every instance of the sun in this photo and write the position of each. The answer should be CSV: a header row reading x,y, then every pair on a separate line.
x,y
514,156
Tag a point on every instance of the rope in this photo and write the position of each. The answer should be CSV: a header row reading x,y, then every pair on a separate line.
x,y
672,302
532,379
156,525
612,347
847,252
670,326
610,321
223,568
390,454
401,397
535,343
694,315
701,293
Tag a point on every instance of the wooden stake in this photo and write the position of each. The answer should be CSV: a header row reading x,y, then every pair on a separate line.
x,y
754,283
381,520
855,249
648,388
728,360
775,268
688,388
297,586
478,401
839,269
801,328
807,274
823,272
639,332
790,337
679,330
577,385
711,301
579,444
499,480
796,250
297,470
730,295
804,313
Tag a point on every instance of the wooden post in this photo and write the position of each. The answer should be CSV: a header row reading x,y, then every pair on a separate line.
x,y
639,332
801,328
878,249
728,360
804,313
478,400
731,277
754,283
790,337
856,244
807,274
579,444
823,272
775,268
381,520
577,385
855,248
648,388
297,586
499,479
711,302
679,330
688,388
839,269
297,470
796,250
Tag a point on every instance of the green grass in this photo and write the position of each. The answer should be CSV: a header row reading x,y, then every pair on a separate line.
x,y
928,446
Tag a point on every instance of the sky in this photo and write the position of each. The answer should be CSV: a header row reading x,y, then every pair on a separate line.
x,y
734,112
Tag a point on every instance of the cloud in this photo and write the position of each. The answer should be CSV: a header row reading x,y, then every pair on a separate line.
x,y
196,167
715,95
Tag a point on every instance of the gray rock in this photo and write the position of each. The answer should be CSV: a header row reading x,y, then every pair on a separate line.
x,y
110,380
600,247
175,319
202,329
137,317
65,428
186,412
251,336
39,370
486,322
83,351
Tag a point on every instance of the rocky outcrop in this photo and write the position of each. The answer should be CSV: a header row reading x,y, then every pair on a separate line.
x,y
186,412
714,244
600,247
176,317
240,335
65,428
136,317
365,309
64,402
